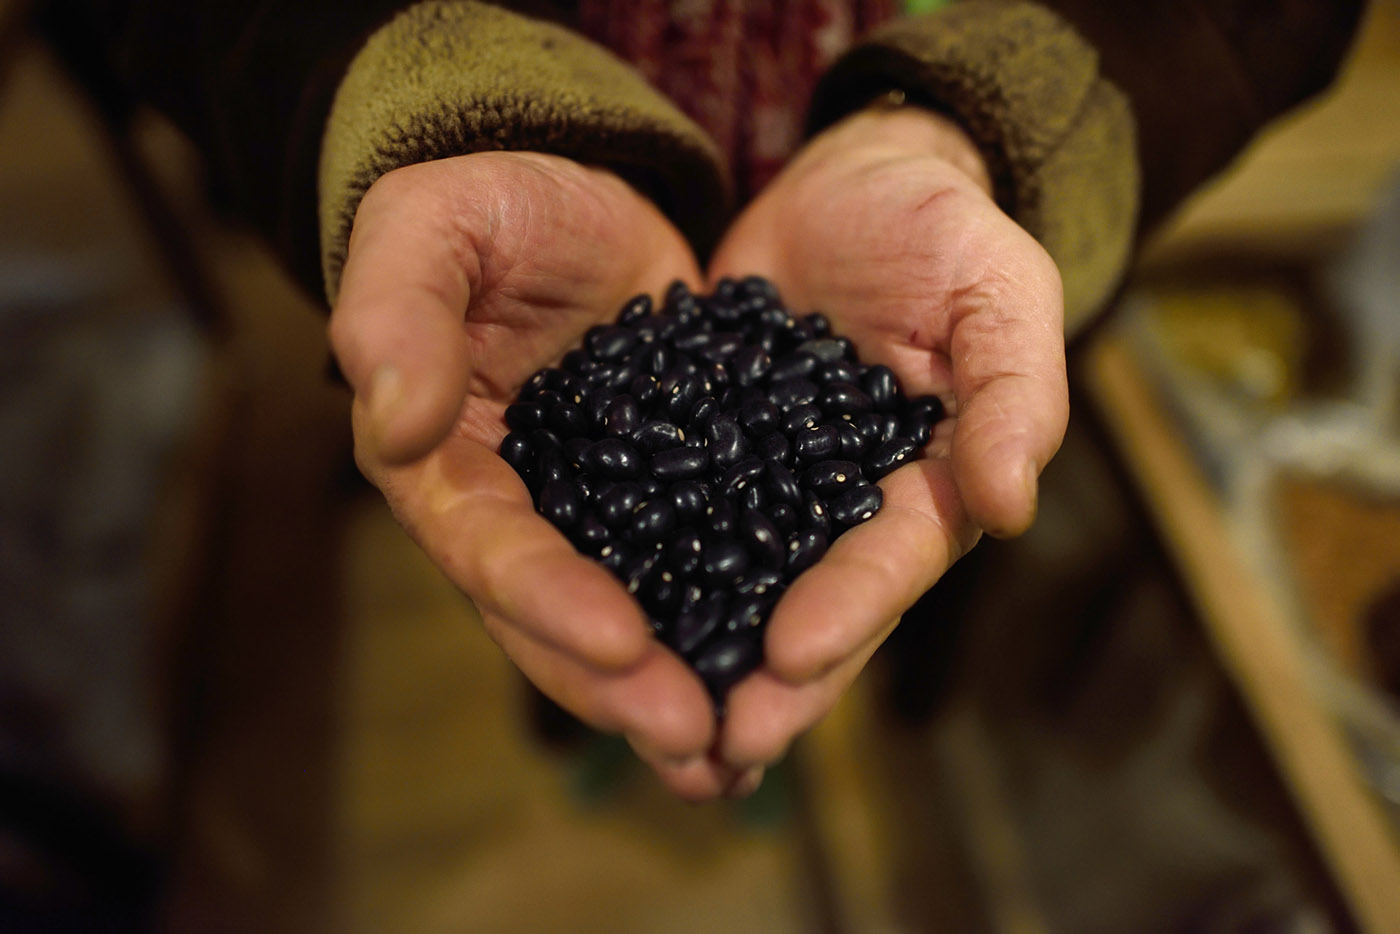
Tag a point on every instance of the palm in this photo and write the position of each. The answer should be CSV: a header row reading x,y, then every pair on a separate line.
x,y
910,259
463,277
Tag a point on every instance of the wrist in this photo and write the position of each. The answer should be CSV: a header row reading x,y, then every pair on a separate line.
x,y
890,123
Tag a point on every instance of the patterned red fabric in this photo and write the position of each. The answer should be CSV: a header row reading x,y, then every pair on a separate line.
x,y
742,69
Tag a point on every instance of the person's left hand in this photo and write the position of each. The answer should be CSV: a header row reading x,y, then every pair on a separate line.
x,y
886,224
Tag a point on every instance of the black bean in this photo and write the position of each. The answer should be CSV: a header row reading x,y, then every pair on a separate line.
x,y
885,458
652,520
689,499
639,568
590,535
683,553
829,478
682,397
765,338
915,429
805,549
612,458
705,408
517,451
609,343
615,505
815,444
841,398
774,446
790,393
537,381
565,383
682,463
762,539
929,408
623,376
800,418
691,595
722,562
880,385
602,375
542,439
636,309
578,361
666,447
725,661
758,287
782,484
728,444
573,451
550,466
655,437
622,416
747,612
853,443
662,594
792,366
559,503
695,625
759,417
719,347
657,359
595,408
889,426
739,476
842,371
870,425
719,517
750,365
677,293
825,349
615,556
814,513
522,416
856,505
753,496
661,327
761,581
818,322
783,517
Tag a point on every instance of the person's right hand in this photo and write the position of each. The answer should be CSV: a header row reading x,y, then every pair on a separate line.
x,y
463,277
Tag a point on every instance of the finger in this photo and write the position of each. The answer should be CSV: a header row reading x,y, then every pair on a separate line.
x,y
472,515
871,574
397,326
766,713
1007,347
697,778
658,704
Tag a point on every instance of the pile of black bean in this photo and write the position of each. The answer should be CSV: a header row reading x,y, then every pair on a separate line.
x,y
707,452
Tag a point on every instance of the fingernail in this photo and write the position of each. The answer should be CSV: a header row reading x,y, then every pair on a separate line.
x,y
1030,480
746,784
385,393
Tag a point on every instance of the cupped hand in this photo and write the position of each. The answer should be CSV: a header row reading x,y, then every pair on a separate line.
x,y
886,224
463,277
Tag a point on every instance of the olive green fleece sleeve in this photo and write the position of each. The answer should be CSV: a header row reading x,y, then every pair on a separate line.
x,y
1057,136
447,78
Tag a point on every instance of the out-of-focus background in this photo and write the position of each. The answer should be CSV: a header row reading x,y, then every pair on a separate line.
x,y
233,696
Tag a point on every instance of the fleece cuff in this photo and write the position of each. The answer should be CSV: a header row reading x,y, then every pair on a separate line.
x,y
450,78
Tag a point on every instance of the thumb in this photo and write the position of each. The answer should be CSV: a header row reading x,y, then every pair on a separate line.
x,y
397,326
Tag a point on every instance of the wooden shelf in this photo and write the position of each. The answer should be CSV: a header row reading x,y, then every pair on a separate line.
x,y
1252,640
